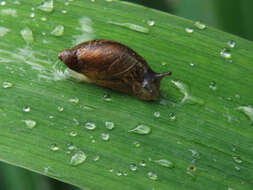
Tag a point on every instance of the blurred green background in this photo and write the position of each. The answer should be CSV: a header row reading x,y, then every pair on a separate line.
x,y
232,16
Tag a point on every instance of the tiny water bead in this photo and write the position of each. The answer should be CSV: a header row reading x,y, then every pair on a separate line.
x,y
30,123
54,147
213,85
225,53
200,25
43,19
151,22
131,26
6,84
32,15
133,167
141,129
152,176
105,136
27,35
195,154
60,109
191,64
78,158
96,158
71,147
248,111
74,100
191,171
237,168
64,11
58,30
109,125
119,173
231,43
230,188
142,163
107,98
172,116
73,133
237,159
136,144
189,30
90,126
47,6
26,109
165,163
157,114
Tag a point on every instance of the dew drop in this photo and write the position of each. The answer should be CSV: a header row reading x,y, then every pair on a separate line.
x,y
30,123
92,1
105,136
107,98
60,109
157,114
6,84
78,158
213,85
27,35
71,147
32,15
136,144
66,3
73,133
54,147
109,125
230,188
191,64
26,109
164,63
3,3
165,163
96,158
231,43
119,173
9,12
248,111
172,116
90,126
200,25
133,167
64,11
111,170
43,19
237,159
141,129
142,163
225,53
195,154
152,176
151,22
74,100
189,30
237,168
3,31
131,26
47,6
58,30
191,171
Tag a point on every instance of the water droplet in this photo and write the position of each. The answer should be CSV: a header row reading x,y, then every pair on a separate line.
x,y
151,22
74,100
189,30
93,141
237,168
141,129
142,163
231,43
27,35
237,159
213,85
105,136
54,147
109,0
85,107
3,3
58,30
111,170
152,176
73,133
195,154
9,12
7,84
3,31
109,125
26,109
191,64
47,6
248,111
133,167
119,173
200,25
172,117
96,158
136,144
71,147
66,3
157,114
230,188
32,15
125,173
64,11
185,90
30,123
131,26
165,163
107,98
90,126
225,53
92,1
191,171
237,96
43,19
164,63
60,109
78,158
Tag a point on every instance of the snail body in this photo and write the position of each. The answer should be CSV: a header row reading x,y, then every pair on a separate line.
x,y
115,66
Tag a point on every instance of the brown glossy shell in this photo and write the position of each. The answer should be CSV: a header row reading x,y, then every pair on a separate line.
x,y
113,65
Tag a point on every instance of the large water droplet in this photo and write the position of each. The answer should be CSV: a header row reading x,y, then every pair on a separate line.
x,y
131,26
30,123
225,53
54,147
90,126
248,111
109,125
47,6
185,90
231,43
200,25
6,84
3,3
105,136
27,35
133,167
152,176
3,31
141,129
78,158
189,30
165,163
58,30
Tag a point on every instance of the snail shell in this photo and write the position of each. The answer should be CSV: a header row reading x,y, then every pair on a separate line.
x,y
115,66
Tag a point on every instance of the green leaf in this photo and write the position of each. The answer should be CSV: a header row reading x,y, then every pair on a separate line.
x,y
200,124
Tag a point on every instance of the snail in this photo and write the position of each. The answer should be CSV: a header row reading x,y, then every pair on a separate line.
x,y
115,66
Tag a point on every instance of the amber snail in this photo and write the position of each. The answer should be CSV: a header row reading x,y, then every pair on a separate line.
x,y
115,66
